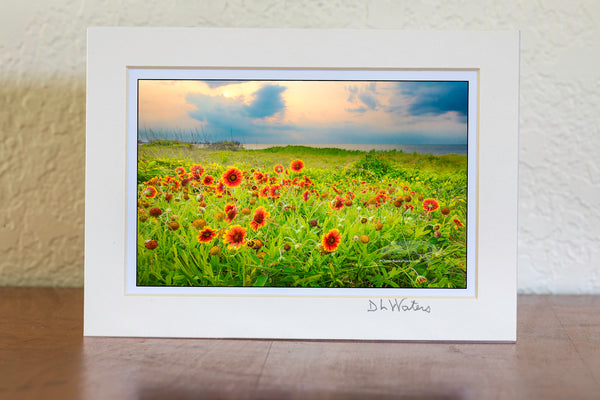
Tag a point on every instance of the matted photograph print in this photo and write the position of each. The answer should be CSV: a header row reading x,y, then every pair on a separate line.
x,y
304,183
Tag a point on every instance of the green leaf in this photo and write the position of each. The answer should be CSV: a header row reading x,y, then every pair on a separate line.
x,y
261,280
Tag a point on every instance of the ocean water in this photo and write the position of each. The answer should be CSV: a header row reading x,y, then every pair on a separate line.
x,y
435,149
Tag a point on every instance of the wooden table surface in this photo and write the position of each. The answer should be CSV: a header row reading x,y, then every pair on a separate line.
x,y
43,355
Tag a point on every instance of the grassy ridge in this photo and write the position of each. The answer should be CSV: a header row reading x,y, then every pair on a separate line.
x,y
171,156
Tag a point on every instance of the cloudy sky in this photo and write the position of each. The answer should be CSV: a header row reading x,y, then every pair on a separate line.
x,y
309,112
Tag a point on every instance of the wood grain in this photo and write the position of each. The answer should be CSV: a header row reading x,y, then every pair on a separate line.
x,y
44,356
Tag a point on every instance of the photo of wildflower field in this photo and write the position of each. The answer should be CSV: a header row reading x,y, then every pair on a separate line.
x,y
212,211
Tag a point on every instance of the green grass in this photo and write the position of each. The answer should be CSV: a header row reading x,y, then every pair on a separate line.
x,y
404,251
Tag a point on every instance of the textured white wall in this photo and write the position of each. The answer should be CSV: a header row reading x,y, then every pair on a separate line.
x,y
42,118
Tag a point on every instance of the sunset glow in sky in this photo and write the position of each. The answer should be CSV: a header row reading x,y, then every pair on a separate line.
x,y
308,112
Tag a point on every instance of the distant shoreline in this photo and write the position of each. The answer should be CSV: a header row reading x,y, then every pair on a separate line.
x,y
435,149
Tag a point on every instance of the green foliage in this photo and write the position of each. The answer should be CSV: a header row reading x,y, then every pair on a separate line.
x,y
406,247
371,165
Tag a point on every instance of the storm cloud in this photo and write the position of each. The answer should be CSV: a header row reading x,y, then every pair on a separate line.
x,y
436,98
225,117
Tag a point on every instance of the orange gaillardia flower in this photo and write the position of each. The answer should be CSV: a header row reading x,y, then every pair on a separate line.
x,y
207,234
430,205
232,177
150,192
153,181
236,237
331,240
337,203
258,176
297,165
456,221
264,192
220,189
208,180
230,212
275,191
305,195
179,170
197,169
278,168
260,218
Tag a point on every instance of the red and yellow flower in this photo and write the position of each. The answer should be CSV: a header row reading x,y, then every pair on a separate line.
x,y
180,170
220,189
337,203
331,240
235,237
430,205
297,165
153,181
207,234
275,191
278,169
230,212
306,195
258,176
150,192
175,185
208,180
260,218
197,170
264,192
232,177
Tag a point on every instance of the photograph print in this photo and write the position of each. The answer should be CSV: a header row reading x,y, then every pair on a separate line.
x,y
303,183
